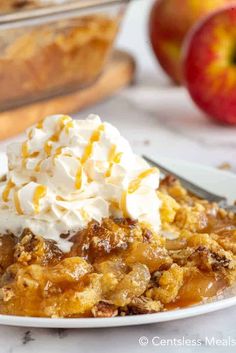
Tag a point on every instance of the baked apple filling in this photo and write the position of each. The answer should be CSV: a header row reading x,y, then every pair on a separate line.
x,y
120,267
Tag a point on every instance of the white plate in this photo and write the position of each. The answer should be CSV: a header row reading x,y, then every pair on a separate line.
x,y
223,183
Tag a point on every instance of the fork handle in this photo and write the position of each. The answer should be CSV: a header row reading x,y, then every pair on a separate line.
x,y
229,208
193,188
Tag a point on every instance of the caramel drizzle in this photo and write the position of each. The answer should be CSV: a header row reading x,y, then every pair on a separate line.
x,y
25,149
78,178
38,166
17,203
41,190
39,125
58,152
25,153
84,214
30,134
39,193
63,121
68,126
48,144
123,204
113,158
7,190
67,123
95,137
115,204
60,198
133,186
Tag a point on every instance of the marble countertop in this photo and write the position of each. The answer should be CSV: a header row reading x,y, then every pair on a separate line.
x,y
205,329
158,119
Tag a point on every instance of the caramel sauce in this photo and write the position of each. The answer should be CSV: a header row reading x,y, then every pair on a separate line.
x,y
17,203
32,155
114,204
61,208
78,178
39,193
30,134
60,198
84,214
58,152
5,195
197,287
123,204
55,137
25,153
40,124
38,166
133,186
113,158
48,144
96,135
68,126
25,149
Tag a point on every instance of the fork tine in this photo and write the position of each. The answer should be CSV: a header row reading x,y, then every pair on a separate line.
x,y
193,188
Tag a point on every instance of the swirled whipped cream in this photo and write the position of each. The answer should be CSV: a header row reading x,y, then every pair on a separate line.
x,y
68,172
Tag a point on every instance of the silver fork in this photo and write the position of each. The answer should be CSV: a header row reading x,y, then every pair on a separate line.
x,y
194,188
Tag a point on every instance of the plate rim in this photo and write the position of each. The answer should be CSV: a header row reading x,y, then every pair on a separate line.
x,y
135,320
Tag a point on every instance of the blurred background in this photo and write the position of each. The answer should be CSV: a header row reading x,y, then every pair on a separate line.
x,y
134,37
157,116
134,93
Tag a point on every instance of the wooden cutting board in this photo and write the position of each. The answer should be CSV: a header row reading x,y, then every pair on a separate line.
x,y
118,74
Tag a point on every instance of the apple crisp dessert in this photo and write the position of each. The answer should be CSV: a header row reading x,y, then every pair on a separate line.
x,y
87,230
120,267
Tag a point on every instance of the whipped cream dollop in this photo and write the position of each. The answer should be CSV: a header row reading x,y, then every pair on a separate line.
x,y
68,172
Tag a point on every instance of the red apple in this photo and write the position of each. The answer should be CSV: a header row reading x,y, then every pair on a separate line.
x,y
210,64
169,22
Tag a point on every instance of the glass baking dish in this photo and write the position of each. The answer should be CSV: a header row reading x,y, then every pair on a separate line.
x,y
49,48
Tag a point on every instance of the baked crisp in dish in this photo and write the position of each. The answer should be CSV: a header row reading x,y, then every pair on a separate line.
x,y
52,58
116,265
12,5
